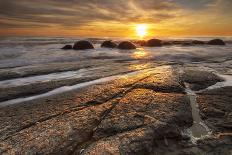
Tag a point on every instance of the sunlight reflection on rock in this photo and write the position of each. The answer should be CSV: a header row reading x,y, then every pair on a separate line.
x,y
140,66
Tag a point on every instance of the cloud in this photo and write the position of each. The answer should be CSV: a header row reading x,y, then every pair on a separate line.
x,y
80,14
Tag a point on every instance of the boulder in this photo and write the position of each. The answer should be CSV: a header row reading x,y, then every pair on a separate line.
x,y
126,45
198,42
67,47
216,42
154,43
109,44
82,45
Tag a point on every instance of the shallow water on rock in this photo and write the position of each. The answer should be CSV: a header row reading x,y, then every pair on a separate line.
x,y
43,78
74,87
199,129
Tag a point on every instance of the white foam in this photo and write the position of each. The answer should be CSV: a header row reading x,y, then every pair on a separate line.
x,y
227,82
43,78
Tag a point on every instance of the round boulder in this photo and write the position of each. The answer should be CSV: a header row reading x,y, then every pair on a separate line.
x,y
67,47
83,45
126,45
154,43
216,42
109,44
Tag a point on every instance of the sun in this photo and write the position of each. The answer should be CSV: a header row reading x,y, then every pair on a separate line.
x,y
141,30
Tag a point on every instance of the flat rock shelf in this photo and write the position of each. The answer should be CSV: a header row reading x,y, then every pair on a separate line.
x,y
145,112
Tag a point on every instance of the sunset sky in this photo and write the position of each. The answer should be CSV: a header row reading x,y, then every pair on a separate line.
x,y
115,18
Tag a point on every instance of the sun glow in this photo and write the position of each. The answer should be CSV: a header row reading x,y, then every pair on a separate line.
x,y
141,30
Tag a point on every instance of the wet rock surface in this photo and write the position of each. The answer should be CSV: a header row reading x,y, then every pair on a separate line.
x,y
216,109
142,113
200,79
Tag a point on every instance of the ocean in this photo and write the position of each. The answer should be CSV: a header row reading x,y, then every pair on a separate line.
x,y
34,61
24,51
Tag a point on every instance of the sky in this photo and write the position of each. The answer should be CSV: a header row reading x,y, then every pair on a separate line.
x,y
115,18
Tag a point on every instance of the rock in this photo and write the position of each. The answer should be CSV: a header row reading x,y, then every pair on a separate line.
x,y
154,43
215,105
126,45
199,79
67,47
198,42
216,42
82,45
109,44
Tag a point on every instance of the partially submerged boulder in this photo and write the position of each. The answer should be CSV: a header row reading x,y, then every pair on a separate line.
x,y
67,47
154,43
109,44
126,45
82,45
216,42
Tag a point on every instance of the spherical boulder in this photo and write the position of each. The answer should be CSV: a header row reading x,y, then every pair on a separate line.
x,y
83,45
126,45
109,44
216,42
67,47
154,43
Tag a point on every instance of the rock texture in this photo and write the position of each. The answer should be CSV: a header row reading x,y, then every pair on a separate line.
x,y
122,116
199,79
216,109
143,113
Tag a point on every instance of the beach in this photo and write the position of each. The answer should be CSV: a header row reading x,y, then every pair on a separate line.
x,y
175,99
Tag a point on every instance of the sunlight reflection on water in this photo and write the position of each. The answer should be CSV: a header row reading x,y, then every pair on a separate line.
x,y
140,53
